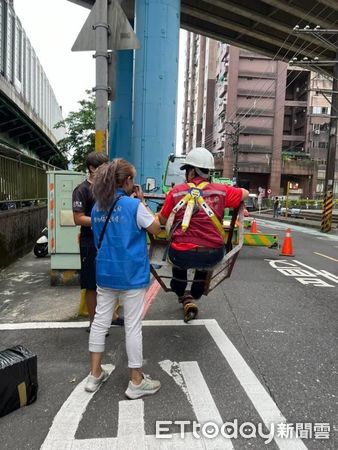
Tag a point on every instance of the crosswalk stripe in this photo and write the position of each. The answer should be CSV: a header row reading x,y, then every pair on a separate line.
x,y
130,433
67,419
259,397
203,403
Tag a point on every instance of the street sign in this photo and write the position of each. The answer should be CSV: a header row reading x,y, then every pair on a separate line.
x,y
121,35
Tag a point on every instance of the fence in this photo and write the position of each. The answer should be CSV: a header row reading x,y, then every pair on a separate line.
x,y
23,181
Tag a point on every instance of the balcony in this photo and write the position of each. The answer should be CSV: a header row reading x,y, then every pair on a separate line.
x,y
298,167
252,93
258,112
264,75
257,131
293,137
253,167
293,103
254,149
222,89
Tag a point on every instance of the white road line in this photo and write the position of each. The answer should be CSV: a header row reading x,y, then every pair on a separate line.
x,y
67,419
60,325
152,443
263,403
42,325
325,256
130,432
92,444
203,403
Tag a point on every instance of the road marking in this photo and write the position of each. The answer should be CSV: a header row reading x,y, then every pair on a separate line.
x,y
130,432
84,324
309,275
69,416
172,368
325,256
263,403
67,419
203,403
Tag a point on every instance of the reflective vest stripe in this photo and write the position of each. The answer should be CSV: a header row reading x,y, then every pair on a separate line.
x,y
214,219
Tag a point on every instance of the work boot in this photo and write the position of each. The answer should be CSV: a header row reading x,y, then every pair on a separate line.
x,y
184,297
190,310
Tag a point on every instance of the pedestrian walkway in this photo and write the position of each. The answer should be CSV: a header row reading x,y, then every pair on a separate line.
x,y
26,293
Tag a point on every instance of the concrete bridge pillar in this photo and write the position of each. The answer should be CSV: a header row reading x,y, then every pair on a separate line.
x,y
155,86
120,140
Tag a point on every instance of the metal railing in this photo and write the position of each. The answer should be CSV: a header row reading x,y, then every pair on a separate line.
x,y
22,183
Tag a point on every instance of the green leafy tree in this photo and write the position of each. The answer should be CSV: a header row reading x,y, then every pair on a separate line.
x,y
80,132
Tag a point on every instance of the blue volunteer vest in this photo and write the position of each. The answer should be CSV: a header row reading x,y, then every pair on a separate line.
x,y
122,261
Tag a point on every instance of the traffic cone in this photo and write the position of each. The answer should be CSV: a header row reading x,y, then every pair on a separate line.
x,y
253,227
287,247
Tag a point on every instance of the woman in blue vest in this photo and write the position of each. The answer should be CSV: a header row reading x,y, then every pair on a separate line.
x,y
120,219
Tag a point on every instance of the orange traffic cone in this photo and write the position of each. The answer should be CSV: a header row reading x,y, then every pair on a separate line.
x,y
253,227
287,247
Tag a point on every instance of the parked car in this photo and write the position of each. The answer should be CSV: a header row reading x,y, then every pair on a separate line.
x,y
292,212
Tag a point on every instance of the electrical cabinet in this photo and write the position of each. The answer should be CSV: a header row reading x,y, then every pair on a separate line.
x,y
63,234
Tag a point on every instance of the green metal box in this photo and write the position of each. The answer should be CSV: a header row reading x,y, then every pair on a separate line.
x,y
63,234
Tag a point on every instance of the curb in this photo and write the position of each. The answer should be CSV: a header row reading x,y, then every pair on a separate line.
x,y
300,223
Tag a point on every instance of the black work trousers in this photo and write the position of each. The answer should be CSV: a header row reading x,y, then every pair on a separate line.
x,y
192,259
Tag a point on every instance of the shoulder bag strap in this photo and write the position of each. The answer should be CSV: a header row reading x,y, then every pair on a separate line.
x,y
106,222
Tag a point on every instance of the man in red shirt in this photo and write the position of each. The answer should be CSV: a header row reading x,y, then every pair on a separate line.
x,y
197,244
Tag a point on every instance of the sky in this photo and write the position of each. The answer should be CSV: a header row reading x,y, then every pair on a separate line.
x,y
52,27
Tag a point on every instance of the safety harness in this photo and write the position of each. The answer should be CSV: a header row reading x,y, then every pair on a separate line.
x,y
192,199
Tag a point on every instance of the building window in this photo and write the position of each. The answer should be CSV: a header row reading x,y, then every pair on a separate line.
x,y
322,144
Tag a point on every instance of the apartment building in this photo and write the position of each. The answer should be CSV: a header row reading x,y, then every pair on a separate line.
x,y
280,113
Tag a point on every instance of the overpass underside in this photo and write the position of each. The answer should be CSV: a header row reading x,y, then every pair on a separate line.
x,y
262,26
265,26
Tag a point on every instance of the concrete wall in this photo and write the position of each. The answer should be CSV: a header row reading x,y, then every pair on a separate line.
x,y
19,229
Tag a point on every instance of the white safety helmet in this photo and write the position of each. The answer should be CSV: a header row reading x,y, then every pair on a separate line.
x,y
199,157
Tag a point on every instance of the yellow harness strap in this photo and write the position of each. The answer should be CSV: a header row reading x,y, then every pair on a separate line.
x,y
193,197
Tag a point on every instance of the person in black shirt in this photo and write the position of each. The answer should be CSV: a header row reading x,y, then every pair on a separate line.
x,y
83,202
276,207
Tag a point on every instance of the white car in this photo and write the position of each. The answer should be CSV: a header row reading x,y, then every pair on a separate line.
x,y
292,212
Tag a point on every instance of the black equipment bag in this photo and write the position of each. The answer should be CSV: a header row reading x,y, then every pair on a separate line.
x,y
18,379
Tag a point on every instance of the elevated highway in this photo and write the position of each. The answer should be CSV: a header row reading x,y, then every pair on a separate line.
x,y
263,26
28,107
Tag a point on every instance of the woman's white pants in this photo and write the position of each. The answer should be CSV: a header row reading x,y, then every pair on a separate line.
x,y
133,301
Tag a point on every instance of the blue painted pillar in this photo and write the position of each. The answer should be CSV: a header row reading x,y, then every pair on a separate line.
x,y
155,86
120,132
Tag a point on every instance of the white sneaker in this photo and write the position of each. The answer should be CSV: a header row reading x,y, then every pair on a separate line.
x,y
93,383
146,387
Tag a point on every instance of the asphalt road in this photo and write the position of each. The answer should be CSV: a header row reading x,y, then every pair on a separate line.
x,y
264,350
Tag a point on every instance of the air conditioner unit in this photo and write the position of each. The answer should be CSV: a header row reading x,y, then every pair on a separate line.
x,y
317,131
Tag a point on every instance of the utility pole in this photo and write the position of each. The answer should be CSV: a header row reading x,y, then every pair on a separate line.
x,y
326,223
234,135
106,28
101,88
